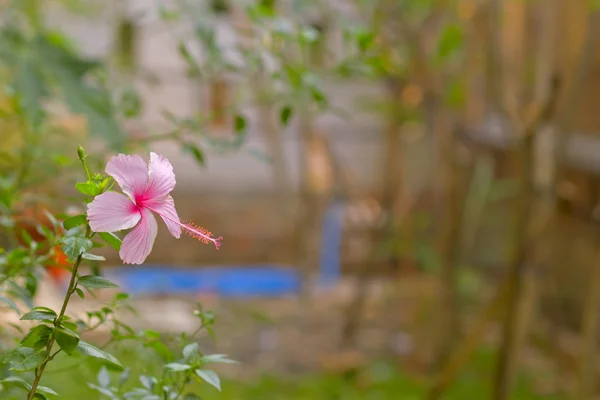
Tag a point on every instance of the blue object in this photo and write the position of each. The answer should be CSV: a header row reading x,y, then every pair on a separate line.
x,y
329,262
242,281
237,281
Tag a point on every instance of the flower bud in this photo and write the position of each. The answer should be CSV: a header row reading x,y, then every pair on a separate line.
x,y
81,153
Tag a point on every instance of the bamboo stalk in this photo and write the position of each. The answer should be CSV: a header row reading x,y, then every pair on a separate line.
x,y
522,257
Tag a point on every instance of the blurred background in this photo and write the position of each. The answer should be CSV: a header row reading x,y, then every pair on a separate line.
x,y
407,189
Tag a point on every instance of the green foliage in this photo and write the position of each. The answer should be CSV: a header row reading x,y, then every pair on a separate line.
x,y
95,282
25,358
74,246
66,339
92,351
44,62
39,314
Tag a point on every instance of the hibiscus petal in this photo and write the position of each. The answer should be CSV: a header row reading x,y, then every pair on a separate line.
x,y
138,243
111,212
130,172
165,207
161,179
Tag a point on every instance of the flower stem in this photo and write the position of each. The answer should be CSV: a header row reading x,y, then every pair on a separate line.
x,y
39,371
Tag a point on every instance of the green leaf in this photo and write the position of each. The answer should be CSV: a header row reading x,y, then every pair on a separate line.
x,y
209,377
79,293
239,124
83,96
25,358
92,351
451,40
177,367
89,188
72,222
103,377
74,246
10,303
285,115
48,392
161,349
124,377
95,282
193,69
92,257
190,351
196,152
39,314
66,339
147,381
455,94
16,381
121,296
217,358
111,239
31,88
130,104
37,337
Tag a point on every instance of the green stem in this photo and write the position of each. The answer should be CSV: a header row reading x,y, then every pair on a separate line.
x,y
87,171
40,371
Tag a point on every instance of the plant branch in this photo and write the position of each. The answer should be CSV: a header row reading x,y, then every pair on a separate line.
x,y
50,344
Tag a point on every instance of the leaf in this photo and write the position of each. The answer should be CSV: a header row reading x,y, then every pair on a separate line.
x,y
66,339
161,349
48,392
89,188
147,381
190,351
451,40
72,222
31,88
10,303
39,314
102,390
196,152
130,104
81,96
92,351
112,239
92,257
124,377
74,246
209,377
16,381
37,337
177,367
239,124
103,377
25,358
217,358
79,293
121,296
193,69
285,115
95,282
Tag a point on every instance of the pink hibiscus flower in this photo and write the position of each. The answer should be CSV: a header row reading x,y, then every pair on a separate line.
x,y
147,188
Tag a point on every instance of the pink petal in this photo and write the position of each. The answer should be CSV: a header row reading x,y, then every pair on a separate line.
x,y
137,244
111,212
165,207
130,172
161,177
